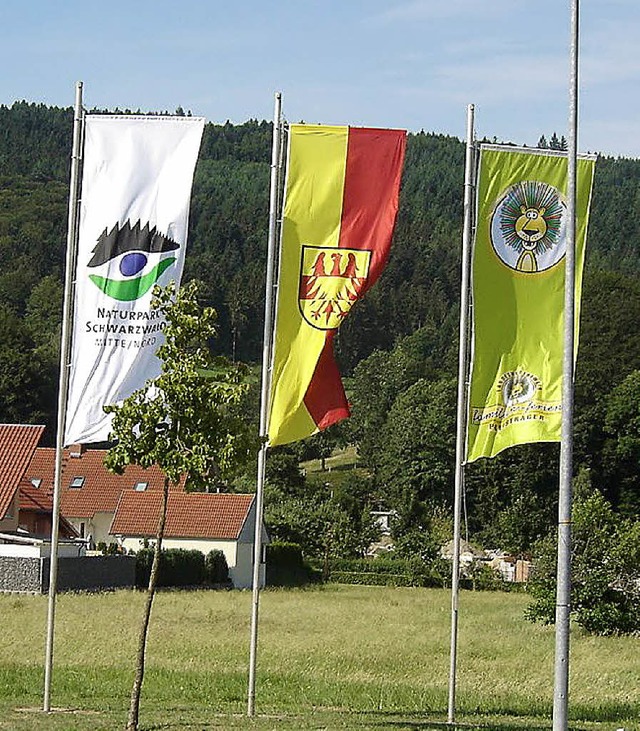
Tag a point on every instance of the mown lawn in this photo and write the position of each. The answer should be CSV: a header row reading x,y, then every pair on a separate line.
x,y
337,657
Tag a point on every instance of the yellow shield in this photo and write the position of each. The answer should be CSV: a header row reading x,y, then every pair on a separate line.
x,y
331,280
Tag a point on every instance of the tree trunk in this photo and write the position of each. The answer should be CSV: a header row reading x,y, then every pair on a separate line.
x,y
134,707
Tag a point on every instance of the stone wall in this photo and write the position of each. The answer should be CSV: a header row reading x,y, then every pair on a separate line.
x,y
20,573
78,573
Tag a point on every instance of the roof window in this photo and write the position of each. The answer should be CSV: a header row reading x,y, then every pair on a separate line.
x,y
141,486
36,481
77,482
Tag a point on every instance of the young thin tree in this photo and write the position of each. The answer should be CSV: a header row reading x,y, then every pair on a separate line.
x,y
188,421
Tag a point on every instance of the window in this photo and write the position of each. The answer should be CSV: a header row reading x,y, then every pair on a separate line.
x,y
77,482
36,481
141,486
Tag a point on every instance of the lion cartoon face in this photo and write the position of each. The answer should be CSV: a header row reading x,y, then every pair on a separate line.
x,y
531,226
528,220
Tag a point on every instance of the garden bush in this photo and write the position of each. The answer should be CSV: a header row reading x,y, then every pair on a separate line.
x,y
605,571
286,565
178,567
216,568
388,571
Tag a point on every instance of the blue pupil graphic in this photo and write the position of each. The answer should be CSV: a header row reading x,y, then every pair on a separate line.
x,y
131,264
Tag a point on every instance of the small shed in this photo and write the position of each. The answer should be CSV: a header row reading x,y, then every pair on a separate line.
x,y
196,520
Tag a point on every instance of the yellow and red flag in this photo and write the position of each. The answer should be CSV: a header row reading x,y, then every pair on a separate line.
x,y
341,202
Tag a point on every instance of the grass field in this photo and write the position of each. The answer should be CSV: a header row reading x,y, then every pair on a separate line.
x,y
337,657
341,459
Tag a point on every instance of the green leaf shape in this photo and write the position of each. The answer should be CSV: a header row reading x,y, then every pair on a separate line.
x,y
131,289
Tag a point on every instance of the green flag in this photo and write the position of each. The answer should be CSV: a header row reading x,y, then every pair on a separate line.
x,y
518,269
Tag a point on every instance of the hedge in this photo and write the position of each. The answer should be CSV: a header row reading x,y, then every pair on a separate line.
x,y
216,568
180,567
383,571
286,566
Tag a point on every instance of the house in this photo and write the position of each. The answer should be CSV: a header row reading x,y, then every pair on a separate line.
x,y
99,506
35,502
469,554
25,514
197,520
510,568
17,445
382,519
507,567
89,493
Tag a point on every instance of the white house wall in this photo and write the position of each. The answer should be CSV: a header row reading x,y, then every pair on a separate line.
x,y
41,549
248,529
96,527
243,576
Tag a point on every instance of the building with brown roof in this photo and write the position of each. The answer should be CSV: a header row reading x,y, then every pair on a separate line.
x,y
102,506
89,493
197,520
17,445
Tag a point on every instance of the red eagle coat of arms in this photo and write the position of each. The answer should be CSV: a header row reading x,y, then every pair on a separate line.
x,y
331,280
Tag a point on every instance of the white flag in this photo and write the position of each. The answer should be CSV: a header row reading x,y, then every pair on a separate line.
x,y
136,189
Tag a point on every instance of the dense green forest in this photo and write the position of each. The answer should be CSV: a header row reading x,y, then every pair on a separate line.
x,y
398,349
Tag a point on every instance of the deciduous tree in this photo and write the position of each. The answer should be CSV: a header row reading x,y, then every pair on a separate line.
x,y
188,421
605,574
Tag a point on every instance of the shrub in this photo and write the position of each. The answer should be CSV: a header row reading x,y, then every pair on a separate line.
x,y
216,568
387,571
110,549
178,567
144,559
286,566
485,578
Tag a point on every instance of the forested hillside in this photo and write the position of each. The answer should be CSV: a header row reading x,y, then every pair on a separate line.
x,y
399,345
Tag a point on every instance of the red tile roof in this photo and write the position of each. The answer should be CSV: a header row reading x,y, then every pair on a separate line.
x,y
40,468
32,499
189,515
100,490
17,444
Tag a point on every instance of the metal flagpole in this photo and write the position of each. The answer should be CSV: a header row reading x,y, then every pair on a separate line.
x,y
463,359
264,396
563,591
72,238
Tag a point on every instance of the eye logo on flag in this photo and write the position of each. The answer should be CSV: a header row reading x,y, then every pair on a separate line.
x,y
331,280
135,251
528,227
137,173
